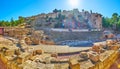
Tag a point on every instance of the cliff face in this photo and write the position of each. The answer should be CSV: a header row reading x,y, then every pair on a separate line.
x,y
67,19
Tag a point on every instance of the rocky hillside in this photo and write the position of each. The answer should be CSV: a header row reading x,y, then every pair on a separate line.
x,y
66,19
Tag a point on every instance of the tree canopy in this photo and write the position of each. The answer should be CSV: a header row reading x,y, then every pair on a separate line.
x,y
113,22
12,22
55,10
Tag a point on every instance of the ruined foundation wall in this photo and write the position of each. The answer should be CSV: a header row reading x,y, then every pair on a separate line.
x,y
107,62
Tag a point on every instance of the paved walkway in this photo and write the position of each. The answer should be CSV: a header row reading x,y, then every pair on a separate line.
x,y
2,66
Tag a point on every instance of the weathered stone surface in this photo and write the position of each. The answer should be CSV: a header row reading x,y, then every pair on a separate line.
x,y
93,56
74,64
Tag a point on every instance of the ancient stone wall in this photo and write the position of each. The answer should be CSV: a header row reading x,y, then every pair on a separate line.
x,y
107,62
61,36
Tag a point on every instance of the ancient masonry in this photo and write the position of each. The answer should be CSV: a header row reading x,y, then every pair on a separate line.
x,y
19,51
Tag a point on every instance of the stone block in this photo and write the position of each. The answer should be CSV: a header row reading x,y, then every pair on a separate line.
x,y
94,56
74,64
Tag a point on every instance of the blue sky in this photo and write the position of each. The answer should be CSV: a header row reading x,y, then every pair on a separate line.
x,y
15,8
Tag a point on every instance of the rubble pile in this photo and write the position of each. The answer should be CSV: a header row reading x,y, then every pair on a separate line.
x,y
16,32
31,37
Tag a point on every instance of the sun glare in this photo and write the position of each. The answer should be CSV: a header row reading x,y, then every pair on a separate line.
x,y
73,3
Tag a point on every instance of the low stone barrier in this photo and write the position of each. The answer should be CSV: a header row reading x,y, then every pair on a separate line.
x,y
107,62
